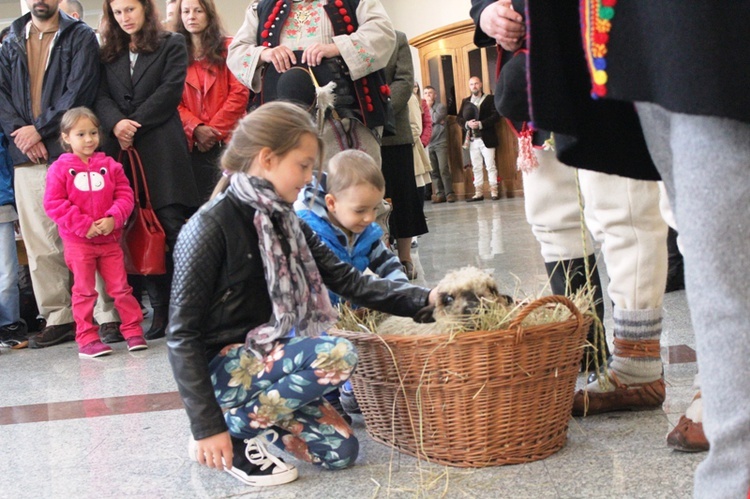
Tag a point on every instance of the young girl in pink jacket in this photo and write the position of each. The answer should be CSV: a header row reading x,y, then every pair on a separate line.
x,y
89,197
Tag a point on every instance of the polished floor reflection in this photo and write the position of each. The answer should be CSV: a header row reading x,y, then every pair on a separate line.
x,y
114,427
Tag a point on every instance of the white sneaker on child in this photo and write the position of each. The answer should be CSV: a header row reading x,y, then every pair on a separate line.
x,y
254,465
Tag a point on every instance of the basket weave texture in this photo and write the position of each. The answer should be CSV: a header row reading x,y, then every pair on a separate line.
x,y
484,398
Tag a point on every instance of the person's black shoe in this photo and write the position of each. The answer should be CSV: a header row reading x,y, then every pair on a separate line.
x,y
254,465
475,199
53,335
109,332
35,325
158,327
14,336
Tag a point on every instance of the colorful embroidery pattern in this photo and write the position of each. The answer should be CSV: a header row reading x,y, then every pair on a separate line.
x,y
596,23
303,21
365,56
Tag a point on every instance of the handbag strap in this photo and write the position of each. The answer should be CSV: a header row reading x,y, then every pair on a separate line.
x,y
136,167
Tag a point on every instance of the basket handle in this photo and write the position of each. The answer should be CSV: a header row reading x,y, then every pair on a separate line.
x,y
545,300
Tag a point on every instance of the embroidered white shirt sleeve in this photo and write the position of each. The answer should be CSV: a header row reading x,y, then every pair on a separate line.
x,y
370,47
243,57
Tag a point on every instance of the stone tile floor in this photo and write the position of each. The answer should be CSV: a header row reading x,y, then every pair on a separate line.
x,y
114,427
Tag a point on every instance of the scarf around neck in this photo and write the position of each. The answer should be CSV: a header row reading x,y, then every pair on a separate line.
x,y
298,296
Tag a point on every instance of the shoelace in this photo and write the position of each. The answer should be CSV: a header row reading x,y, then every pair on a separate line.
x,y
257,453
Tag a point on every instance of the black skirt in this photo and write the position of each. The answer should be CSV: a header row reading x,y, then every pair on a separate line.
x,y
407,218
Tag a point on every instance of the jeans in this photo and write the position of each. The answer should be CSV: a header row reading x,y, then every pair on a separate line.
x,y
9,311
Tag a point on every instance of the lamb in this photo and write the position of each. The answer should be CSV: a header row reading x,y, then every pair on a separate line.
x,y
460,293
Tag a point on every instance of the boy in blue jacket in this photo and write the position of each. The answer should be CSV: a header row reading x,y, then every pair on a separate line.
x,y
341,209
12,328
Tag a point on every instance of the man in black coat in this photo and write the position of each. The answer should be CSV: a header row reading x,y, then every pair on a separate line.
x,y
693,114
48,64
478,117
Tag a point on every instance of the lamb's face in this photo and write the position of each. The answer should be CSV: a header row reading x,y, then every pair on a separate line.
x,y
462,292
464,302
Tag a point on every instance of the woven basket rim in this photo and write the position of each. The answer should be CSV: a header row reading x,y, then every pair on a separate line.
x,y
514,328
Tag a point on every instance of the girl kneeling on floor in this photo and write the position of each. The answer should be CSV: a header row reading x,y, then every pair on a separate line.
x,y
247,272
89,197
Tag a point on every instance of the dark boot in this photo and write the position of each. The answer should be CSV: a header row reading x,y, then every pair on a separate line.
x,y
158,287
158,327
675,268
568,276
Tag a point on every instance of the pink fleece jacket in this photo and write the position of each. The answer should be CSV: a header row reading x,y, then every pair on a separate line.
x,y
78,194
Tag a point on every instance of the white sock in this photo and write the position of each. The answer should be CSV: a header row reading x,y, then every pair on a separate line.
x,y
634,325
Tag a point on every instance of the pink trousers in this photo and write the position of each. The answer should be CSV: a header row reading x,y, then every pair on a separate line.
x,y
84,260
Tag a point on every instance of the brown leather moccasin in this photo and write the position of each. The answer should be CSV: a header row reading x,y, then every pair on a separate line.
x,y
688,436
624,398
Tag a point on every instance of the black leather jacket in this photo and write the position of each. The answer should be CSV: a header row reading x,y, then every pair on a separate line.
x,y
219,293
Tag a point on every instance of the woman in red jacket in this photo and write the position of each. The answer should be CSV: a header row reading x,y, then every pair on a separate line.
x,y
213,100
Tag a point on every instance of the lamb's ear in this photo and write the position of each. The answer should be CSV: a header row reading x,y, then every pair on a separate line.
x,y
425,314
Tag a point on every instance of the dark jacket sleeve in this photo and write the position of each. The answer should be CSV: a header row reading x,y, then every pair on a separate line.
x,y
9,117
493,117
80,86
161,105
199,253
481,39
396,298
460,116
402,85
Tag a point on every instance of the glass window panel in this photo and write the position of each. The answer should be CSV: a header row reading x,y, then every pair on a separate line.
x,y
446,62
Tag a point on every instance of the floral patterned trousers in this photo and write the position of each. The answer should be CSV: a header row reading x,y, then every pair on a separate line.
x,y
283,392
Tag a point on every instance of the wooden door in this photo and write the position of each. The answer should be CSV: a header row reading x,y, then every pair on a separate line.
x,y
448,58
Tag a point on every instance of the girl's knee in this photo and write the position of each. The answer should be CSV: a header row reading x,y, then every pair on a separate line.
x,y
335,355
353,354
341,457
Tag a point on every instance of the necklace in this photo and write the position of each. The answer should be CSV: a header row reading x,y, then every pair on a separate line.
x,y
300,17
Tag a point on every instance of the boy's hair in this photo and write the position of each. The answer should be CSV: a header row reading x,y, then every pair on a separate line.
x,y
71,117
277,125
352,167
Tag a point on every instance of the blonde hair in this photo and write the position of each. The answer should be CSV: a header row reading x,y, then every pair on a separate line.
x,y
71,117
352,167
276,125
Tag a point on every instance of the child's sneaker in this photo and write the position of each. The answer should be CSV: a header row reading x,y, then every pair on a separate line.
x,y
94,349
136,343
192,449
14,335
254,465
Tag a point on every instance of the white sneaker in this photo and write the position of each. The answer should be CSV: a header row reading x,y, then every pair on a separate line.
x,y
254,465
192,449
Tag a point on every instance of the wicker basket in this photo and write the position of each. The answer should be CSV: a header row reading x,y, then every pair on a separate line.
x,y
486,398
